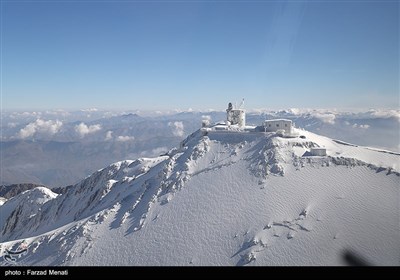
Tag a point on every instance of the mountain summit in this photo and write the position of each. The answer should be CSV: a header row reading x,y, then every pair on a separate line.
x,y
224,197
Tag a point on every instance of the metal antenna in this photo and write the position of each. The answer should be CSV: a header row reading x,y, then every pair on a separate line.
x,y
241,104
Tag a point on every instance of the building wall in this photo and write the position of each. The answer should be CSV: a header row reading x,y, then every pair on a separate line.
x,y
237,116
275,125
318,152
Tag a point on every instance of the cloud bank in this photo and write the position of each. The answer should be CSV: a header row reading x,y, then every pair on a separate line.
x,y
177,128
82,129
125,138
40,126
206,120
326,118
108,136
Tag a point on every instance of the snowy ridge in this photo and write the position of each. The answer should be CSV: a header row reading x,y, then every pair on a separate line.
x,y
225,198
17,211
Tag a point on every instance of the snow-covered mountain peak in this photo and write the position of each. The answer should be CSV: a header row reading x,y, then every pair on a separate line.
x,y
38,195
16,211
231,197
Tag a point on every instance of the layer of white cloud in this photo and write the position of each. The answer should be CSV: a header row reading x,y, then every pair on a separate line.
x,y
31,114
109,136
90,110
125,138
177,128
385,114
58,113
355,125
206,120
12,124
362,126
82,129
326,118
40,126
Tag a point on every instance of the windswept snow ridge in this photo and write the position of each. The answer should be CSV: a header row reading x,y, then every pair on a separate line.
x,y
221,198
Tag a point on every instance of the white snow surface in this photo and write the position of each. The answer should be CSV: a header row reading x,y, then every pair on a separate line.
x,y
222,198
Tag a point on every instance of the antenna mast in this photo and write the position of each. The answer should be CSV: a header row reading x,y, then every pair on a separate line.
x,y
241,104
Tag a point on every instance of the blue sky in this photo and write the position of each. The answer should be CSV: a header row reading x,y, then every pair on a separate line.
x,y
199,54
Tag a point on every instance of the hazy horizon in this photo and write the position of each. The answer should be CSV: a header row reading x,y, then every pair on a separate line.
x,y
219,108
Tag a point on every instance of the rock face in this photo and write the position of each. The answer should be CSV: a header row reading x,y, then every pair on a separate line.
x,y
222,198
12,190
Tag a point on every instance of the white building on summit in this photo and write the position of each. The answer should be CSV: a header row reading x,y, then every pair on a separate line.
x,y
236,122
277,125
236,116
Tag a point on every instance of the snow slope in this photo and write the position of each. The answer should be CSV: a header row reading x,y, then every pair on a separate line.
x,y
222,198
